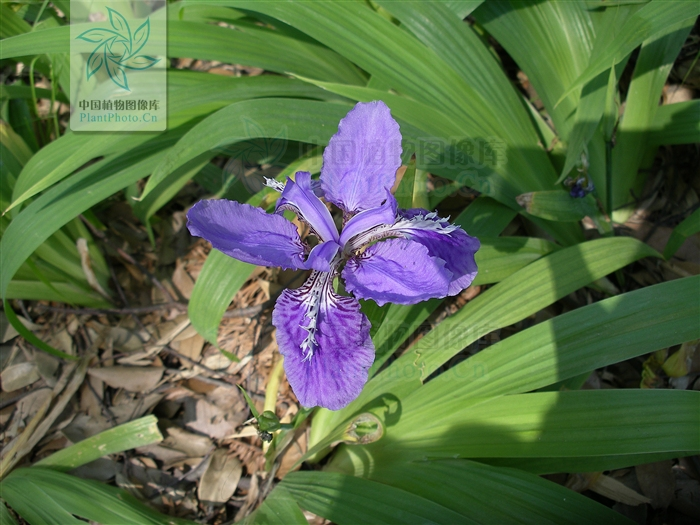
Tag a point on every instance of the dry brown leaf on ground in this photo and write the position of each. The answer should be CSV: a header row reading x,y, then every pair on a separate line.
x,y
687,482
102,469
657,482
606,486
182,280
18,376
127,406
132,378
48,367
120,338
161,453
193,445
207,418
83,426
191,348
220,479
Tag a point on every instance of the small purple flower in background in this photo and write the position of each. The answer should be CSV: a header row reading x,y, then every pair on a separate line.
x,y
580,187
382,253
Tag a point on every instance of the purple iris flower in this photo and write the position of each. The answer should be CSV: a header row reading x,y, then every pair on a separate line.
x,y
382,253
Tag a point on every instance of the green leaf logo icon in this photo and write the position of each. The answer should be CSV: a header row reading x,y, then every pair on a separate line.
x,y
117,49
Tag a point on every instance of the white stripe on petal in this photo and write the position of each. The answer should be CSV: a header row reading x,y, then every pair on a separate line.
x,y
403,228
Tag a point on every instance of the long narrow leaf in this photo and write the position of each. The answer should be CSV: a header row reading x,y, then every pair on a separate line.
x,y
549,465
350,500
547,424
221,277
85,498
550,41
653,18
186,101
278,508
676,124
591,337
302,120
651,70
66,200
478,492
137,433
685,229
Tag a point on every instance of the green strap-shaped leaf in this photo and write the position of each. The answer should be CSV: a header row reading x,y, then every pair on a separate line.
x,y
588,338
186,101
144,209
91,500
22,496
30,337
690,226
485,494
550,41
589,111
221,277
612,46
5,516
651,70
278,508
500,257
57,39
371,41
302,120
677,123
12,23
485,217
347,500
137,433
254,47
32,290
460,47
260,47
548,465
57,206
546,424
25,92
558,205
462,8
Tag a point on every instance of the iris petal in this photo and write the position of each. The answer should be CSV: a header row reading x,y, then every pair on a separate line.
x,y
447,241
366,220
247,233
325,341
322,255
360,162
299,197
398,271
